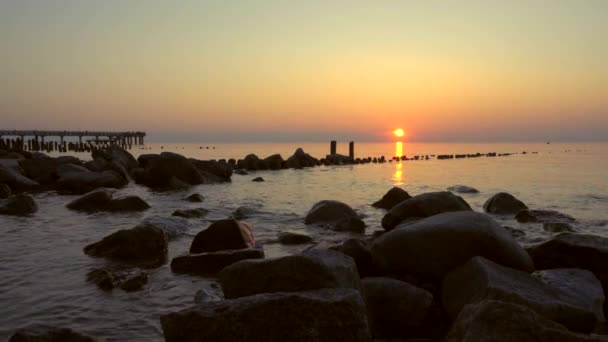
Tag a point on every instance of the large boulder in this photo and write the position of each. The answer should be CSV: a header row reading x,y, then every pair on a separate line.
x,y
223,235
293,238
81,182
481,279
118,158
359,250
315,269
102,200
213,262
393,197
142,245
497,321
339,216
41,170
250,162
301,159
41,333
569,250
434,246
339,159
503,204
394,308
274,162
324,316
11,176
128,203
172,226
159,170
541,215
213,171
424,205
18,205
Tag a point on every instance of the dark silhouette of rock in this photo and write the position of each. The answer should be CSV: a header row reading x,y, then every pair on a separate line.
x,y
434,246
359,250
337,215
81,182
128,203
223,235
131,280
158,170
558,227
258,179
243,212
540,215
213,171
18,205
310,270
213,262
424,205
141,245
191,213
15,180
241,172
274,317
339,159
504,204
172,226
250,162
102,200
274,162
196,198
293,238
393,197
492,320
481,279
5,191
301,159
463,189
394,308
41,333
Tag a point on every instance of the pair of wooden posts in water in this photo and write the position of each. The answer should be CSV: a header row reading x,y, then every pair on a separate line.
x,y
351,148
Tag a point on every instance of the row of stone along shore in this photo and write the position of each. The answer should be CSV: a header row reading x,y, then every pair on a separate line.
x,y
434,271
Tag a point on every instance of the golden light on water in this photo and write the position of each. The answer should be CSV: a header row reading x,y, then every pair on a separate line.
x,y
398,149
399,132
398,176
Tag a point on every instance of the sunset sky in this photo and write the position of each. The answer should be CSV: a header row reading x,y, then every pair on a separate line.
x,y
308,70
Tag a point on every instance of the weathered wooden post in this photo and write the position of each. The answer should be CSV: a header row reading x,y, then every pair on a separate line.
x,y
332,148
351,149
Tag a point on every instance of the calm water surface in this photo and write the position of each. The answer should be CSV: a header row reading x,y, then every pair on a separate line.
x,y
43,268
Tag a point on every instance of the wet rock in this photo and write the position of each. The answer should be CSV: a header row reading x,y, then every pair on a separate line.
x,y
117,159
339,159
41,333
172,226
128,203
359,250
503,204
191,213
18,205
310,270
141,245
242,172
5,191
102,200
159,169
394,308
516,233
196,198
478,322
206,295
82,182
41,170
481,279
558,227
393,197
213,262
539,215
463,189
274,162
223,235
297,317
213,171
436,245
335,214
15,180
258,179
107,280
424,205
242,213
301,159
293,238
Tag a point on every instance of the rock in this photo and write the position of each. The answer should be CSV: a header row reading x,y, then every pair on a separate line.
x,y
142,245
63,169
41,170
41,333
158,170
128,203
133,280
503,204
558,227
336,214
191,213
15,180
83,182
315,269
359,250
301,159
5,191
258,179
481,279
478,322
102,200
516,233
172,226
242,213
394,308
18,205
538,215
296,317
213,262
294,238
339,159
393,197
463,189
120,159
274,162
242,172
223,235
569,250
436,245
213,171
197,198
206,295
424,205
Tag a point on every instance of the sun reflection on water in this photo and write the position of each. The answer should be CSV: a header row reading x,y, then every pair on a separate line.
x,y
398,149
398,176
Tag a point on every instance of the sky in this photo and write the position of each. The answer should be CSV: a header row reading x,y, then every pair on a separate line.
x,y
312,70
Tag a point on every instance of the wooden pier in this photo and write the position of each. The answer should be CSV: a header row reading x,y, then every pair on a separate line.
x,y
34,140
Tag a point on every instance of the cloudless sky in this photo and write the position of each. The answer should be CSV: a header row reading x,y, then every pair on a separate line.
x,y
269,70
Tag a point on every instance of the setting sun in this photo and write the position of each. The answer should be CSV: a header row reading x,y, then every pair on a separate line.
x,y
398,132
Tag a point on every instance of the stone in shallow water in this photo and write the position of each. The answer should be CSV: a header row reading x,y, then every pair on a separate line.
x,y
223,235
258,179
464,189
195,198
558,227
503,203
393,197
293,238
541,215
130,280
213,262
191,213
18,205
338,215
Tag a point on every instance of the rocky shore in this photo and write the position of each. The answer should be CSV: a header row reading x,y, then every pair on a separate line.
x,y
437,271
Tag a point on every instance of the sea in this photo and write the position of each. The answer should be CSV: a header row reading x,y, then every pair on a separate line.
x,y
43,267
